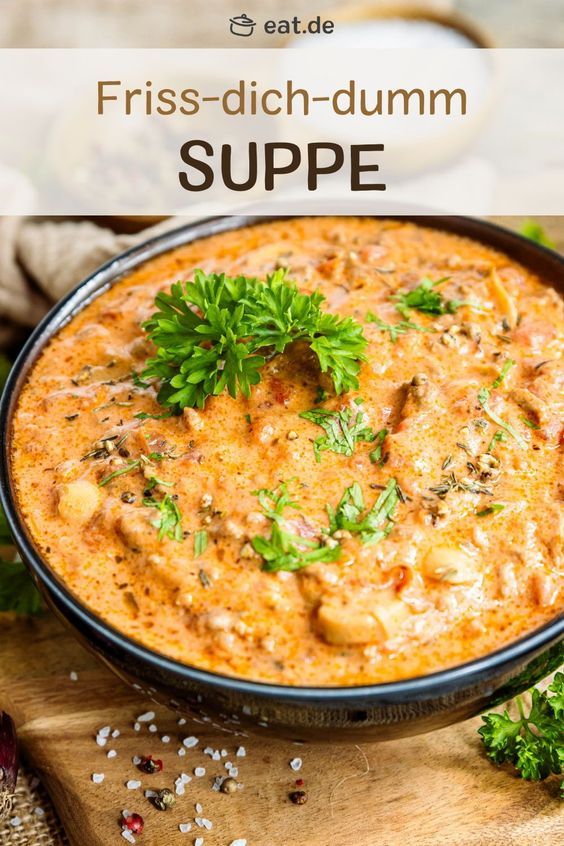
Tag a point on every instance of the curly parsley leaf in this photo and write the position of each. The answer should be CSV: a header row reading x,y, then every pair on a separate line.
x,y
534,742
372,525
169,519
283,550
217,332
343,430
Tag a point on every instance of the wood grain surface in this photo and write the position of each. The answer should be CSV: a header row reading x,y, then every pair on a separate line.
x,y
437,788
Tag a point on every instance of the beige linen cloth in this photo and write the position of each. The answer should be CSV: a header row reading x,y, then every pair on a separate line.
x,y
41,260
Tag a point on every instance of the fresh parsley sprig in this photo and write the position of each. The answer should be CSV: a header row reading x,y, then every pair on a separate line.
x,y
217,332
284,550
342,430
372,526
533,743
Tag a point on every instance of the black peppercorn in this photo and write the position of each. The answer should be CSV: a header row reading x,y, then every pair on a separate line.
x,y
298,797
164,799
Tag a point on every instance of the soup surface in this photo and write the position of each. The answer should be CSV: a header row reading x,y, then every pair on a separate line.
x,y
153,520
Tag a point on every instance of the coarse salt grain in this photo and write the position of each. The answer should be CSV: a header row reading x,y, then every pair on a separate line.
x,y
179,789
218,781
184,827
181,751
239,842
152,728
150,794
104,731
127,835
181,721
208,825
147,717
233,772
208,750
133,784
241,752
116,733
111,753
228,765
98,778
199,822
296,764
190,742
136,760
73,676
39,812
101,741
185,778
200,771
199,841
15,822
136,726
224,753
198,808
165,738
216,756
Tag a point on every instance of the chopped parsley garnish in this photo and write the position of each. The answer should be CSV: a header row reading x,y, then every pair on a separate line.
x,y
396,329
534,742
497,438
376,456
529,423
373,525
343,430
503,373
494,508
535,232
169,520
217,332
144,415
200,542
426,299
284,550
484,398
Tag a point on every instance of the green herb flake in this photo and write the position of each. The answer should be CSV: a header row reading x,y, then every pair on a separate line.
x,y
200,542
376,456
372,526
129,468
217,332
493,508
529,423
426,299
283,550
169,520
343,430
503,373
144,415
396,329
497,438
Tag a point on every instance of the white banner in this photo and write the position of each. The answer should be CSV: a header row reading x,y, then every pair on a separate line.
x,y
158,132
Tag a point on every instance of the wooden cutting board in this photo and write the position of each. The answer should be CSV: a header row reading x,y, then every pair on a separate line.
x,y
422,791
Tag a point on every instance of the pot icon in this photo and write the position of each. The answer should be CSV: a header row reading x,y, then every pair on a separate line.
x,y
242,25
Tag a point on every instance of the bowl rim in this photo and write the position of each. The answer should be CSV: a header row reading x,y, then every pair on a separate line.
x,y
424,686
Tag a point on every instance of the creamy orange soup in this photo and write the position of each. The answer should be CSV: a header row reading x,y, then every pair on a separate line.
x,y
471,557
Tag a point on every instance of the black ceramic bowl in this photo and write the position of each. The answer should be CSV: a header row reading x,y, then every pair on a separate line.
x,y
380,711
